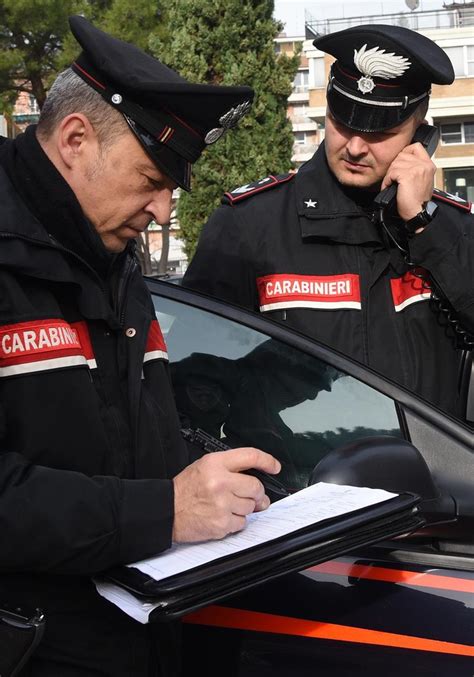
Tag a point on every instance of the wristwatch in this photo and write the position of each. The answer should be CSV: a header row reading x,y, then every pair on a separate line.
x,y
423,218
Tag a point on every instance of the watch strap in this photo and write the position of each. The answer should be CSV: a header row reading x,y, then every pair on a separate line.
x,y
423,218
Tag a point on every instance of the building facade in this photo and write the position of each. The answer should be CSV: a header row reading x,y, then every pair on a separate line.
x,y
25,112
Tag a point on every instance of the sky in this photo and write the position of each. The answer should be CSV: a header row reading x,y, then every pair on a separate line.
x,y
292,12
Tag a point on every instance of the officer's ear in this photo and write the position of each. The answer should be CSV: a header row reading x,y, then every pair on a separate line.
x,y
75,141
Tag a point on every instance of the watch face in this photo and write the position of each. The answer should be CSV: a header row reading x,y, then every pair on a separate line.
x,y
431,208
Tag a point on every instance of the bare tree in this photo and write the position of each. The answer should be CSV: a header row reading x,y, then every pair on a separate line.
x,y
143,253
143,245
165,249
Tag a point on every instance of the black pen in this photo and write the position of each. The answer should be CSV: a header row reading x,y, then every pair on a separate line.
x,y
211,444
269,481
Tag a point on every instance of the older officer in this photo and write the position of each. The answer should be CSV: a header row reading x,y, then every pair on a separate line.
x,y
317,252
89,434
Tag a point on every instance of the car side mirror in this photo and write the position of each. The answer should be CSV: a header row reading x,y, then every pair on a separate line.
x,y
389,463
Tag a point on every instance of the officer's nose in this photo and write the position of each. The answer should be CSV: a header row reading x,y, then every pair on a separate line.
x,y
160,206
357,146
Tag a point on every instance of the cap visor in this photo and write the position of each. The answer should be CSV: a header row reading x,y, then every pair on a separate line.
x,y
364,117
173,165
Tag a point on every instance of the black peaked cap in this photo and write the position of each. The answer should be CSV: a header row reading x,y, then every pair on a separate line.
x,y
173,119
381,74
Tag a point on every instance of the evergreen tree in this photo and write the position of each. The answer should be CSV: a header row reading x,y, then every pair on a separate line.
x,y
36,43
135,22
231,42
31,39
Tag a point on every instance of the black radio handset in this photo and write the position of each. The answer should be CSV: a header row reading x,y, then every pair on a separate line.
x,y
428,136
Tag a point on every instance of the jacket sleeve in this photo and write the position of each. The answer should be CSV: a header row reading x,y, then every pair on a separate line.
x,y
446,249
61,521
223,265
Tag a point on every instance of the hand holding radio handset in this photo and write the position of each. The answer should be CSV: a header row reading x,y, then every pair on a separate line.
x,y
410,180
410,177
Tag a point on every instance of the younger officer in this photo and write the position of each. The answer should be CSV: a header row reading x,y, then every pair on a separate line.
x,y
92,464
310,249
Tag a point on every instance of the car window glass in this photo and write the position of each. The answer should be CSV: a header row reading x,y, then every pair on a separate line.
x,y
247,389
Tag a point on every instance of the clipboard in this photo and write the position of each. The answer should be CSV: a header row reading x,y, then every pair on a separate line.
x,y
190,590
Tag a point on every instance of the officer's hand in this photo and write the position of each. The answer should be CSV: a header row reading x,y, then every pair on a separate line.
x,y
414,172
212,497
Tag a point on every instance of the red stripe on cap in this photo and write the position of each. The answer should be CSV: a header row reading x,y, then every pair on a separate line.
x,y
354,77
182,122
166,135
99,84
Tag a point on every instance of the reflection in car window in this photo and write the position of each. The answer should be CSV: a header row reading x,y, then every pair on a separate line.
x,y
248,389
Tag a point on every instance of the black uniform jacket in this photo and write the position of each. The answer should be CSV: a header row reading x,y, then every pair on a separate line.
x,y
301,250
89,437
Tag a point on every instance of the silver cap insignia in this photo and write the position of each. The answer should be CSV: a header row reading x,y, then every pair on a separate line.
x,y
376,63
227,121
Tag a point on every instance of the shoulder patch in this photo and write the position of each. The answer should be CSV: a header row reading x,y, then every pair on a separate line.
x,y
453,200
249,189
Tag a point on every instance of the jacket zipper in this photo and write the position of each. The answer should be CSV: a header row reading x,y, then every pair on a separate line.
x,y
129,268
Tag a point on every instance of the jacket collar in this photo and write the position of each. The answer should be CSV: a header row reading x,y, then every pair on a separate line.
x,y
26,247
16,217
327,211
50,199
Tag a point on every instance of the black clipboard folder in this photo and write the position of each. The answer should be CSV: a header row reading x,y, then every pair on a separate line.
x,y
190,590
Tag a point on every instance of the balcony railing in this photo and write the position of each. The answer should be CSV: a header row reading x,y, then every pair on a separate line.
x,y
417,21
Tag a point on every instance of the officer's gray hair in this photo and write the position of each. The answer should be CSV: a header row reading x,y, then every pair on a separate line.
x,y
70,94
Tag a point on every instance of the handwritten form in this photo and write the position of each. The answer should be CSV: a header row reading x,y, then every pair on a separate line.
x,y
306,507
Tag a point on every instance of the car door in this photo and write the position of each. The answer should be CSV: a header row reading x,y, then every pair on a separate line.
x,y
403,607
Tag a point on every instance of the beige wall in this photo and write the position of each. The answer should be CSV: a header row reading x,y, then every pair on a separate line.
x,y
460,87
317,97
456,150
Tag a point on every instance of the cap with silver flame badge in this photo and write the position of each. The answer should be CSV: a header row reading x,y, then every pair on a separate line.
x,y
173,119
381,74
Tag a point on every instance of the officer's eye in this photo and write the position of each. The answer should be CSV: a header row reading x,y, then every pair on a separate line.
x,y
154,183
377,137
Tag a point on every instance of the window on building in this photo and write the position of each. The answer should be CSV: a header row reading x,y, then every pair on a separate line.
x,y
451,133
470,59
300,138
299,110
300,83
319,73
469,132
33,104
457,132
462,59
460,182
